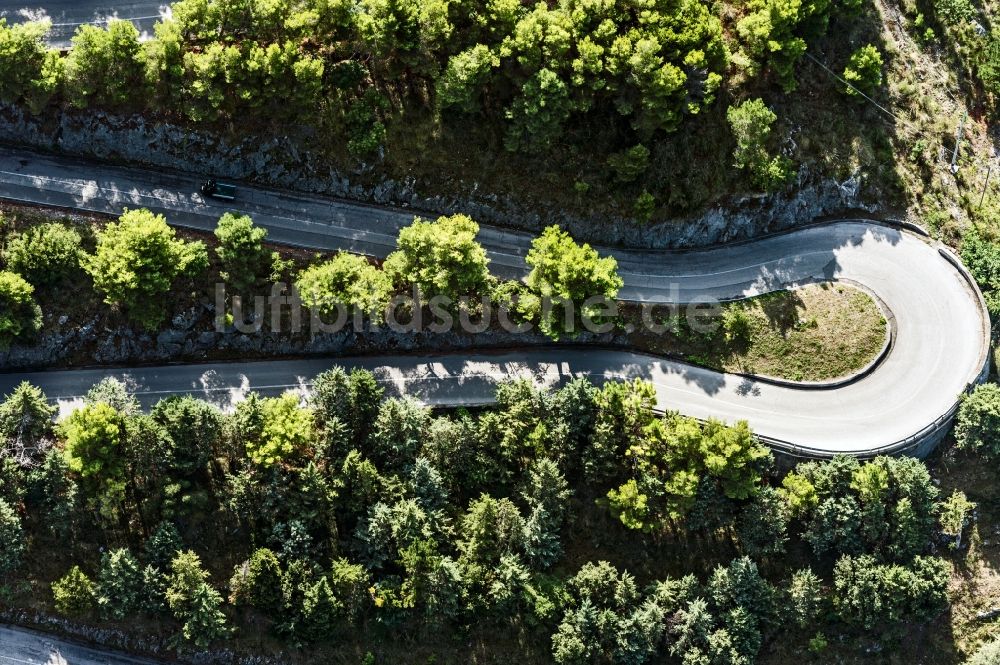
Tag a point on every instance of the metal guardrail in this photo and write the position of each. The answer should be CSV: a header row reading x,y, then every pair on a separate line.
x,y
903,445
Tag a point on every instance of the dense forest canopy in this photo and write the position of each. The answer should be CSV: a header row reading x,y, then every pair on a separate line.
x,y
347,511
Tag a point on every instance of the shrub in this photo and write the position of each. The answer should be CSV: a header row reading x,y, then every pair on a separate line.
x,y
74,593
194,602
954,12
45,254
987,654
954,517
120,585
628,165
644,206
864,71
750,122
977,426
20,315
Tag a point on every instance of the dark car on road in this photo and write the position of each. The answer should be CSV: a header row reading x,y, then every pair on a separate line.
x,y
218,190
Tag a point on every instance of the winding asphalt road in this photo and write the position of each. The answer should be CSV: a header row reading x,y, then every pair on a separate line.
x,y
939,347
19,646
68,15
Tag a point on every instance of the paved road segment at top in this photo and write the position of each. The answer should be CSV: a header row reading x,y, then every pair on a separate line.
x,y
68,15
27,647
939,347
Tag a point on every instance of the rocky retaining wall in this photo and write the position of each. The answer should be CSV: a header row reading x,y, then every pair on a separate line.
x,y
192,337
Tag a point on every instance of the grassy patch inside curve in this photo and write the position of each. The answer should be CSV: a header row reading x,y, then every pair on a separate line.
x,y
814,333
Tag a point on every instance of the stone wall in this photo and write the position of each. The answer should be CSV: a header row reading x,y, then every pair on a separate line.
x,y
191,336
283,162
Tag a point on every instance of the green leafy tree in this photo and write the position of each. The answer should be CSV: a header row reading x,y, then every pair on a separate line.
x,y
193,601
321,610
164,57
868,593
740,585
12,477
398,431
887,505
25,422
137,261
390,529
119,585
538,114
351,584
427,486
241,250
93,438
762,525
114,393
205,90
490,529
106,67
805,598
982,258
750,122
257,583
597,615
573,278
394,30
772,35
440,258
20,315
12,540
53,493
547,495
351,398
677,460
29,71
695,637
163,545
194,429
624,412
461,84
74,593
433,583
977,426
864,71
347,281
286,431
